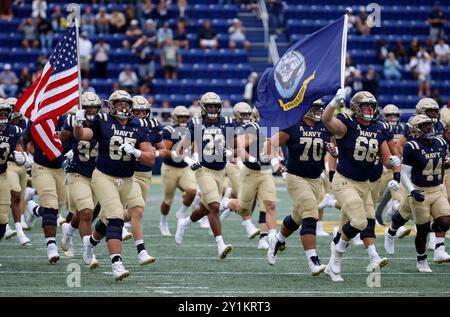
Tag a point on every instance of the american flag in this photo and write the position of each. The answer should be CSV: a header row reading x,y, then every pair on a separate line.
x,y
53,93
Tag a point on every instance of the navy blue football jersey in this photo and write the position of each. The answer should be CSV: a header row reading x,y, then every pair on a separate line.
x,y
38,155
358,149
397,130
307,149
256,148
377,170
8,140
426,161
439,128
84,152
110,135
174,134
211,139
154,136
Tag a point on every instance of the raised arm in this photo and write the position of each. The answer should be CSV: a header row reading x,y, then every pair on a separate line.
x,y
334,125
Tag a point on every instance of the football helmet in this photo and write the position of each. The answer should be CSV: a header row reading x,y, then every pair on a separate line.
x,y
360,98
13,114
140,103
120,95
211,98
391,110
90,100
4,117
428,107
241,109
422,127
180,112
316,105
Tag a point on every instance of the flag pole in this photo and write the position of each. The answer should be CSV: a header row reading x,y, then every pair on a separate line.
x,y
343,56
77,33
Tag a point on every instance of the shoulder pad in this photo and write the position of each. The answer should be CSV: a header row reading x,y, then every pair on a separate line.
x,y
169,128
154,123
413,145
103,116
143,123
441,140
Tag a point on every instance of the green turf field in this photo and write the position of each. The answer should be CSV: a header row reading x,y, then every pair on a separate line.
x,y
193,269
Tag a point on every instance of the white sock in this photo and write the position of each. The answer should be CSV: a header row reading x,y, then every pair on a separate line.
x,y
183,208
372,251
197,199
341,246
273,231
310,253
163,218
219,241
438,240
247,223
47,240
138,242
187,221
71,230
280,237
19,228
227,192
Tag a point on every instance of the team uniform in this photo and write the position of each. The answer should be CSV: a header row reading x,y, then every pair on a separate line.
x,y
17,174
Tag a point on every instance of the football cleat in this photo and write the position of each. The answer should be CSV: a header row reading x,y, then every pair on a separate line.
x,y
222,251
144,258
252,231
328,201
389,242
52,253
263,244
88,251
423,267
23,239
440,256
164,229
179,234
29,193
24,224
335,259
61,220
431,244
274,246
334,277
29,215
119,271
125,234
204,222
315,266
66,240
320,231
94,263
9,233
403,232
378,263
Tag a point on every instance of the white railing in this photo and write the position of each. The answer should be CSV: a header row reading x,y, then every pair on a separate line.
x,y
273,50
264,16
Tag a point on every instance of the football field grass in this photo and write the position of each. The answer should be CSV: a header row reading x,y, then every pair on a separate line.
x,y
193,270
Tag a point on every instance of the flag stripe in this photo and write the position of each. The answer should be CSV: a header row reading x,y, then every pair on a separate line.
x,y
62,78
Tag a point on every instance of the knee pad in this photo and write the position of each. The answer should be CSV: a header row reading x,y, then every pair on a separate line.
x,y
424,229
100,228
441,224
308,226
290,224
350,231
114,229
262,217
359,224
369,232
49,217
2,230
398,220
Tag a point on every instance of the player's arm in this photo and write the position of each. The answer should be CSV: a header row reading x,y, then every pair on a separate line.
x,y
160,150
273,147
389,160
80,133
408,162
334,125
64,135
400,143
146,155
180,152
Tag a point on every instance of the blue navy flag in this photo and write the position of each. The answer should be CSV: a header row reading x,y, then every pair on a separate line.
x,y
307,71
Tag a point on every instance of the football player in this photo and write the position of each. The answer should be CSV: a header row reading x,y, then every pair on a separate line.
x,y
213,136
122,140
424,156
142,178
307,142
82,199
359,139
176,174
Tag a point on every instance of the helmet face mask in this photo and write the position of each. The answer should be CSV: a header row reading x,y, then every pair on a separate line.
x,y
433,114
91,103
422,127
181,115
315,113
211,105
391,114
392,119
91,112
242,113
364,106
141,107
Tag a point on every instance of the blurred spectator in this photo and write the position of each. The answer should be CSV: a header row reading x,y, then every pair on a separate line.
x,y
145,89
117,22
128,80
6,9
170,59
148,36
85,54
276,15
59,22
436,95
88,21
182,8
181,39
250,89
146,63
424,71
39,9
161,13
227,110
392,68
436,20
164,33
37,73
102,21
130,14
145,11
353,78
9,81
42,59
429,46
85,87
45,32
401,53
351,20
166,117
101,57
362,26
29,30
382,50
413,48
442,52
2,92
195,108
207,36
24,80
133,34
370,81
237,35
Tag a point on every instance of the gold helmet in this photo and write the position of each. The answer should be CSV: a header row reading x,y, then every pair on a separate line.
x,y
11,101
364,97
90,100
445,118
240,109
255,115
390,110
316,105
4,106
417,127
211,98
120,95
180,112
141,103
428,107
